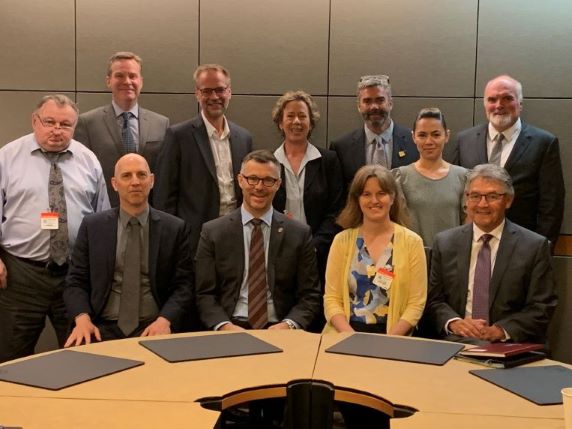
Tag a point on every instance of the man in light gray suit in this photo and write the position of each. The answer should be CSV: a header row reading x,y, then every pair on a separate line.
x,y
121,127
491,280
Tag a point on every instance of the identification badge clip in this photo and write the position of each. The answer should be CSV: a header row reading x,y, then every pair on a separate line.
x,y
383,278
49,220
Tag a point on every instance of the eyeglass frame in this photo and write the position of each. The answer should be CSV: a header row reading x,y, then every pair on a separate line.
x,y
63,127
257,180
491,197
219,90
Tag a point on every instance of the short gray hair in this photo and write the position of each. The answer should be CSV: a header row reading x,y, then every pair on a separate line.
x,y
60,100
120,56
214,67
370,81
490,172
517,84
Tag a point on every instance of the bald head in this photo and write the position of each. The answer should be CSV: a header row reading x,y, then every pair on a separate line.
x,y
503,102
133,182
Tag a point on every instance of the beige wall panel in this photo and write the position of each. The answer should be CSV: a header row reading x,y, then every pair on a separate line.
x,y
554,116
255,114
16,113
427,47
533,45
344,116
177,107
165,35
269,46
37,46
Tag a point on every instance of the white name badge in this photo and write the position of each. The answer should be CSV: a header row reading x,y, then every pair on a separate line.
x,y
383,278
49,220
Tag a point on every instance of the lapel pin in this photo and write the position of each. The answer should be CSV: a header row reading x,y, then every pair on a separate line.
x,y
280,229
401,153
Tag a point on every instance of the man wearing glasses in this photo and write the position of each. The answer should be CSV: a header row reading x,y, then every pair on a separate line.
x,y
48,183
123,126
255,267
491,280
201,157
380,140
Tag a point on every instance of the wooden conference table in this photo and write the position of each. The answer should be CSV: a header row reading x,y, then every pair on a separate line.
x,y
162,394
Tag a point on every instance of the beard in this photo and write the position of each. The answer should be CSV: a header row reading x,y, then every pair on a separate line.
x,y
378,117
501,122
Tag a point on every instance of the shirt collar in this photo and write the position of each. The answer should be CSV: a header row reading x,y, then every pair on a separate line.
x,y
118,110
311,154
212,132
142,217
509,133
247,216
387,135
496,233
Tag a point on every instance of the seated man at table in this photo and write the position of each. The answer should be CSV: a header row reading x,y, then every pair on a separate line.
x,y
491,280
131,269
255,267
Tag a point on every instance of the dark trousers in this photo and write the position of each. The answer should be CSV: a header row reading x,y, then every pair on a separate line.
x,y
32,294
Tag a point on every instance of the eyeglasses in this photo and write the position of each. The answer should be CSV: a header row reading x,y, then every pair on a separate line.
x,y
255,180
207,92
491,197
50,123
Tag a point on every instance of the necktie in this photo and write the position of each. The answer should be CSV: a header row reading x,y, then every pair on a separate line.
x,y
257,288
379,154
482,280
59,244
129,304
496,153
126,135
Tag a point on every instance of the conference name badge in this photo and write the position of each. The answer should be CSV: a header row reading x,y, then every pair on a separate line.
x,y
49,220
383,278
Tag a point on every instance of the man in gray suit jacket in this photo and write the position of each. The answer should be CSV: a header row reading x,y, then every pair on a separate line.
x,y
109,133
529,154
380,140
229,268
491,280
201,157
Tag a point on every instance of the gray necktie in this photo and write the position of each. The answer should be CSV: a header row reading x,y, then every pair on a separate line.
x,y
379,154
59,244
126,134
129,304
482,280
496,153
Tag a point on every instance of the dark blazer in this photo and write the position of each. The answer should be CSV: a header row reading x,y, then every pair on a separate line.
x,y
522,291
98,130
350,149
186,184
291,269
323,190
536,170
90,277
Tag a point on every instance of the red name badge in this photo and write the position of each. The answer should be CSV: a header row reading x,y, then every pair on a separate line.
x,y
383,278
49,220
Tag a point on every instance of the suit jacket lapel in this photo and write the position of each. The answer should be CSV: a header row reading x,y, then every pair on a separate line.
x,y
202,139
155,228
109,235
276,237
358,155
235,239
520,147
143,129
480,144
111,124
507,245
398,146
312,168
463,261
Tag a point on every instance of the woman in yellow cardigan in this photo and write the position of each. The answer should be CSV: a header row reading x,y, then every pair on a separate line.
x,y
376,277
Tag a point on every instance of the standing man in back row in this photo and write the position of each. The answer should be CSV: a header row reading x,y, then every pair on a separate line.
x,y
380,140
201,157
123,126
529,154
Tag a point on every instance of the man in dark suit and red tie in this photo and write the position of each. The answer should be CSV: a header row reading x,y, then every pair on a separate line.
x,y
255,267
380,140
491,280
131,268
529,154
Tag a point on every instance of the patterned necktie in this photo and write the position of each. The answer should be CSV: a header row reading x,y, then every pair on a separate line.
x,y
126,134
59,244
129,304
482,280
379,154
257,288
496,153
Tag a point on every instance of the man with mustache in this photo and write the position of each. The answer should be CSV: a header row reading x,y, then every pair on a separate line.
x,y
529,154
201,157
380,140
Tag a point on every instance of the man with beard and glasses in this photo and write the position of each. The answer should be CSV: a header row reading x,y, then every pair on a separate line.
x,y
380,140
201,157
530,155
